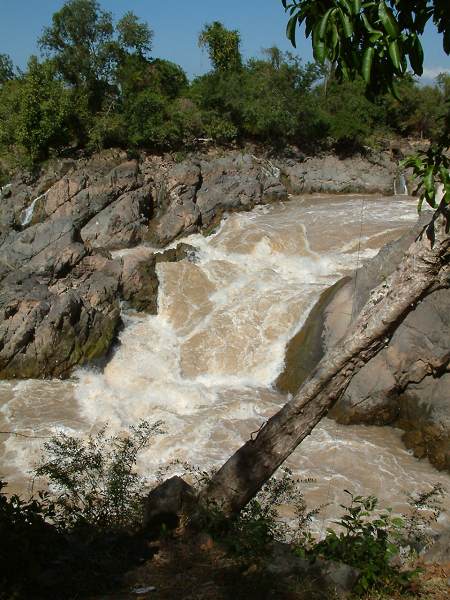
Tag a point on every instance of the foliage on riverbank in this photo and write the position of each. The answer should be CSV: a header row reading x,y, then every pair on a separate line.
x,y
97,85
85,535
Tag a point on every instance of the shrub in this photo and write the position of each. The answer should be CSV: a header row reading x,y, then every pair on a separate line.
x,y
368,541
94,480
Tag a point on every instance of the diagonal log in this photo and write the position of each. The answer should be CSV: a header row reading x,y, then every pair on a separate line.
x,y
424,268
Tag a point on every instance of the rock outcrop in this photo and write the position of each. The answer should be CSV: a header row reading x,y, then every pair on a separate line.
x,y
330,174
49,325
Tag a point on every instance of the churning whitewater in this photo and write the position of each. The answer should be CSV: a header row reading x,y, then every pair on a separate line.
x,y
206,363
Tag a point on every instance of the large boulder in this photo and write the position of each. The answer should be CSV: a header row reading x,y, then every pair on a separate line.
x,y
194,194
407,383
84,193
139,280
176,209
48,326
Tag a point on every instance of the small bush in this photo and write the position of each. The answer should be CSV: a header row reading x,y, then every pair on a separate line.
x,y
95,479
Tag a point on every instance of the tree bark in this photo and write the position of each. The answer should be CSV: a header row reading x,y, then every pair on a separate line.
x,y
424,268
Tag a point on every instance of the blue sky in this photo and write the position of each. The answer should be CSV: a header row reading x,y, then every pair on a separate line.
x,y
176,24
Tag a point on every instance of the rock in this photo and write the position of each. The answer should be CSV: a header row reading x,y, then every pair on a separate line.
x,y
139,281
405,384
50,247
425,416
84,193
176,209
235,182
122,223
331,577
330,174
306,348
164,504
49,326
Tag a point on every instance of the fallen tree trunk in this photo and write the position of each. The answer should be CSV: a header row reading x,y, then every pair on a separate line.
x,y
424,268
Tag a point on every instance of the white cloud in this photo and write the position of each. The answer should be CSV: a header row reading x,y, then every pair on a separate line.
x,y
430,73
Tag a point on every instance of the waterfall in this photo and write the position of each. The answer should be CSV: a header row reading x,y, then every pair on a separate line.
x,y
400,187
27,214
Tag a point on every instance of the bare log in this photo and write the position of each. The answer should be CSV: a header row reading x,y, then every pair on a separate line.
x,y
424,267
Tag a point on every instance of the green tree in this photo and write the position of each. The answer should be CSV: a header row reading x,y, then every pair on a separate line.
x,y
86,51
36,111
6,68
133,35
222,45
79,41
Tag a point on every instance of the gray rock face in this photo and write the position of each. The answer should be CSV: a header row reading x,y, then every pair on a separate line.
x,y
407,384
121,224
139,281
176,209
47,327
52,246
193,195
233,183
333,175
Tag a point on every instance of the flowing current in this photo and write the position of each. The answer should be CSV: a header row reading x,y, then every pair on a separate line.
x,y
207,362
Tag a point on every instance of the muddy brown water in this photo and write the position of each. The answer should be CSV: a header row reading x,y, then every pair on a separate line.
x,y
207,362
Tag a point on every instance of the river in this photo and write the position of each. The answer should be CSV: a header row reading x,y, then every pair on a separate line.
x,y
206,363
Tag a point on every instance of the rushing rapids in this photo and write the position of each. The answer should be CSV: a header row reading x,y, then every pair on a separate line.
x,y
207,362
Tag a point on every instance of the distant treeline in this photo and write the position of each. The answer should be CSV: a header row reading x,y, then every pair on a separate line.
x,y
97,85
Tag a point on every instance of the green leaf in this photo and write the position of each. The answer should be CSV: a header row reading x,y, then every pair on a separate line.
x,y
388,21
428,180
375,37
290,29
334,38
367,63
324,23
346,23
394,53
356,6
416,56
319,51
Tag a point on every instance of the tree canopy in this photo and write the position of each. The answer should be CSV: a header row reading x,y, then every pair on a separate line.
x,y
222,45
379,40
112,92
